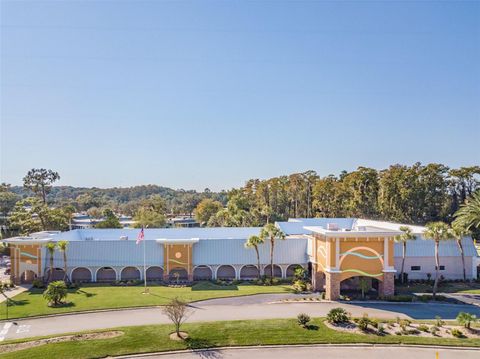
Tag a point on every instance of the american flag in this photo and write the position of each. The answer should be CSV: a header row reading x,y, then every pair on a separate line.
x,y
141,236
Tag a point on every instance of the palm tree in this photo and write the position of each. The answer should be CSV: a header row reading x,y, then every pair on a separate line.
x,y
62,246
51,246
438,231
271,232
458,232
468,216
254,242
403,238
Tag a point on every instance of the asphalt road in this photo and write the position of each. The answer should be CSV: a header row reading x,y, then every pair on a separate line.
x,y
254,307
323,352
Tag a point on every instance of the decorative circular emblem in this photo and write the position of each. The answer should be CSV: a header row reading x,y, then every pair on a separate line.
x,y
178,255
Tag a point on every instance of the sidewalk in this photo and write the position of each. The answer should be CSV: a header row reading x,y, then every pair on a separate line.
x,y
12,293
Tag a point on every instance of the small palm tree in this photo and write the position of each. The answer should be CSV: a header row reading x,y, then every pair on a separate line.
x,y
437,231
403,238
468,216
63,246
51,246
272,233
458,232
466,319
254,242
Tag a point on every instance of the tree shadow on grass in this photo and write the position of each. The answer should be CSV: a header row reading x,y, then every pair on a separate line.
x,y
87,294
13,302
64,305
311,327
202,348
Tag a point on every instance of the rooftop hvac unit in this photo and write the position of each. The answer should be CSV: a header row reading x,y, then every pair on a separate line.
x,y
124,238
332,227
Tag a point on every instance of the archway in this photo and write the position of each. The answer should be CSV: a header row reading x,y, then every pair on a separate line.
x,y
226,272
180,274
154,273
360,287
106,274
27,277
277,271
58,274
290,273
249,272
130,273
81,274
202,273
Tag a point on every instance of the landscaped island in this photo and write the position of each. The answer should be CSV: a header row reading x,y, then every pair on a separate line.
x,y
153,338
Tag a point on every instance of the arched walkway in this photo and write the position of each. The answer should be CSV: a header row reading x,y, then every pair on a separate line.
x,y
202,273
58,274
360,286
155,273
291,270
106,274
130,273
27,277
81,274
249,272
178,274
226,272
277,271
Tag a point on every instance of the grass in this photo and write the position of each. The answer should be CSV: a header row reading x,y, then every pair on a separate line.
x,y
152,338
92,297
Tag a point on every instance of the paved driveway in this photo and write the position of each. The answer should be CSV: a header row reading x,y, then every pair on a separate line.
x,y
255,307
324,353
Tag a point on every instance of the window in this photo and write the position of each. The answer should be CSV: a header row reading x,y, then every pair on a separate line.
x,y
441,267
415,268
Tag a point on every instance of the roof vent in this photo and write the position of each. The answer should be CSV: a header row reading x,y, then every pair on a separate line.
x,y
332,227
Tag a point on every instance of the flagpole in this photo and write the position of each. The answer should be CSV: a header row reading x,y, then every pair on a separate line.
x,y
144,267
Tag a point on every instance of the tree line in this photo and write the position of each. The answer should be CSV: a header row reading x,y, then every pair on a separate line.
x,y
415,194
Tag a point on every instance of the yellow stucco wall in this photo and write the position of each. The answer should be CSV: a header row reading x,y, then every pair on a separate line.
x,y
358,256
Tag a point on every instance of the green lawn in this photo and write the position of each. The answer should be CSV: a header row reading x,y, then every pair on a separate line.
x,y
143,339
32,303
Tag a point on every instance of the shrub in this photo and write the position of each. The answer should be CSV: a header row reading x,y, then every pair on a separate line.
x,y
363,323
466,319
56,292
299,286
423,328
404,323
300,273
457,333
303,319
434,330
338,315
438,321
381,329
37,283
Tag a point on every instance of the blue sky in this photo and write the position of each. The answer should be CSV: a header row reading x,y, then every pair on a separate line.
x,y
195,94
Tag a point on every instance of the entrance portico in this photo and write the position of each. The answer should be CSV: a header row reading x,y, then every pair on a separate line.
x,y
178,258
341,254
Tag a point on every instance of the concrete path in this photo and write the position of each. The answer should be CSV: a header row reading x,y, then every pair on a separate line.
x,y
16,291
466,298
324,352
237,308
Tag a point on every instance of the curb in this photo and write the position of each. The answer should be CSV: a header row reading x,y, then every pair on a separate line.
x,y
353,345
